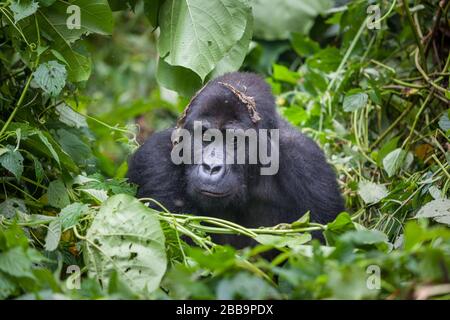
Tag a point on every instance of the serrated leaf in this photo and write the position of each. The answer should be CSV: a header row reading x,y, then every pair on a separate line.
x,y
371,192
70,117
355,101
12,161
394,161
125,236
51,77
23,8
438,210
15,262
70,215
57,194
53,235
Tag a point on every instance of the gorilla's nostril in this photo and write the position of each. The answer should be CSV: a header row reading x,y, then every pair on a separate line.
x,y
216,169
206,167
211,170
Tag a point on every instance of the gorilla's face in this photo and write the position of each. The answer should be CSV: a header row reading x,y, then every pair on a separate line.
x,y
219,180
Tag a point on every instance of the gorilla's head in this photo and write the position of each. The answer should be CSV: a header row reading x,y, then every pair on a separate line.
x,y
224,123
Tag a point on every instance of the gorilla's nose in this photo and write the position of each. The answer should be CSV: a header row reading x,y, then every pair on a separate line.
x,y
211,172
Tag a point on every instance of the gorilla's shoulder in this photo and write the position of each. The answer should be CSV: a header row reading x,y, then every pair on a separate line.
x,y
152,154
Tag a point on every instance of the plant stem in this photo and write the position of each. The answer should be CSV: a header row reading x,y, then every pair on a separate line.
x,y
19,103
415,30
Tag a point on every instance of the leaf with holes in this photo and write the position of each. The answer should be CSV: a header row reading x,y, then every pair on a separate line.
x,y
125,236
438,210
51,77
23,8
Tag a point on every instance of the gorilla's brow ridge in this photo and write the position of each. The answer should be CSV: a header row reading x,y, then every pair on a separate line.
x,y
247,100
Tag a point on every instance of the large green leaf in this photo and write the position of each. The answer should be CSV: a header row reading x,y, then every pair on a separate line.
x,y
235,57
197,34
125,236
180,79
276,19
95,17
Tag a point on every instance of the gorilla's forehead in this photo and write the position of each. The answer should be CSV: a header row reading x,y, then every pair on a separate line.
x,y
219,108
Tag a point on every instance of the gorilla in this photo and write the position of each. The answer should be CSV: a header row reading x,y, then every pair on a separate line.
x,y
237,192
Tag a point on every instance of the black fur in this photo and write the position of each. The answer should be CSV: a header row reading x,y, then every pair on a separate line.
x,y
304,181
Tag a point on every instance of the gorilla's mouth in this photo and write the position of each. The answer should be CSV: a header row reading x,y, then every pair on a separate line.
x,y
212,194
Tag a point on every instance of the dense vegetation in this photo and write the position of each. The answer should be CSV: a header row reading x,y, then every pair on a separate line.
x,y
72,99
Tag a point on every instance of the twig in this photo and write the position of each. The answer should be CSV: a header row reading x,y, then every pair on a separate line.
x,y
416,33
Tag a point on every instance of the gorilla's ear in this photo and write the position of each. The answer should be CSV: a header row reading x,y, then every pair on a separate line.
x,y
245,99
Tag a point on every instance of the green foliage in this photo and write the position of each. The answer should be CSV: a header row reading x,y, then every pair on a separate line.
x,y
370,98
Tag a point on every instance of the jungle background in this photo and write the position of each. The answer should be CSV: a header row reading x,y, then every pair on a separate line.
x,y
367,80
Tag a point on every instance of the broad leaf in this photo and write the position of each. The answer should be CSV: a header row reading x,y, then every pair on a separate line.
x,y
125,236
57,194
394,161
355,101
51,77
438,209
70,117
276,19
70,215
371,192
235,57
197,34
53,235
12,161
23,8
